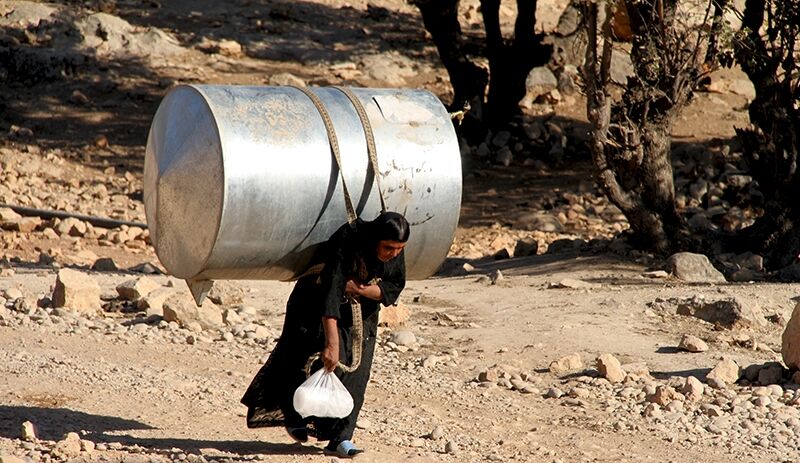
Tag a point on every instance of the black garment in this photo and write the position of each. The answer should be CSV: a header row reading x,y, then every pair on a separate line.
x,y
348,254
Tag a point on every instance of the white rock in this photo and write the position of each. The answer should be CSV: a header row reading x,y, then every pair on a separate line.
x,y
610,368
133,290
181,308
693,268
70,446
726,370
77,291
693,389
692,344
566,364
404,338
28,431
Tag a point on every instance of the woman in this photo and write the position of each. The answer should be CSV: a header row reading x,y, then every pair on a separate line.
x,y
362,261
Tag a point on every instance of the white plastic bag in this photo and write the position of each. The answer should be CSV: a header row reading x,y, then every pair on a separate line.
x,y
323,395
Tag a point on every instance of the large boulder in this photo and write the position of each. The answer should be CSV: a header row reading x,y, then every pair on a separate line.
x,y
730,312
790,342
77,291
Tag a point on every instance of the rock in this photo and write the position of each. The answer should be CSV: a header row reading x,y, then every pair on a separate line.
x,y
12,294
772,374
663,396
790,341
504,156
70,446
730,312
153,303
566,364
77,291
180,308
540,82
146,268
538,221
105,264
526,247
28,431
693,389
554,393
610,368
230,48
231,317
726,370
501,138
394,315
451,447
573,283
717,383
133,290
437,433
87,446
11,459
656,274
491,375
693,268
226,293
692,344
71,227
404,338
496,277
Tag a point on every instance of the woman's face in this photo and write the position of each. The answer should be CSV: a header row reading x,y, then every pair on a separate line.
x,y
388,250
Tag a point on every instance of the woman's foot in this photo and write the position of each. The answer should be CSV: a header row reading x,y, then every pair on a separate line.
x,y
299,434
343,449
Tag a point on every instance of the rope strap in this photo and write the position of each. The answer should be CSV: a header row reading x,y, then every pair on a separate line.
x,y
334,142
371,149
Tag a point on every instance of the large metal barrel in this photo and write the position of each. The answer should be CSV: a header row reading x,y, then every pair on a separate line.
x,y
240,182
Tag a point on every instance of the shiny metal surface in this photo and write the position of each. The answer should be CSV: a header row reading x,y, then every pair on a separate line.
x,y
240,182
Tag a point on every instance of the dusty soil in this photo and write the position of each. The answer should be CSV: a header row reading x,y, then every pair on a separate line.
x,y
149,391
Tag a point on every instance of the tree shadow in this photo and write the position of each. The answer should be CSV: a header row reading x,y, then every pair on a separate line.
x,y
290,31
53,423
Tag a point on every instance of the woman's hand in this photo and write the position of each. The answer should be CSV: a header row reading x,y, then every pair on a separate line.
x,y
330,354
330,357
352,288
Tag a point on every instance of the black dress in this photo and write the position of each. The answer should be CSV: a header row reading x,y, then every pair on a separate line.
x,y
348,254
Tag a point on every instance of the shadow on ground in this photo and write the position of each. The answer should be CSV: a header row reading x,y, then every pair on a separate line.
x,y
53,423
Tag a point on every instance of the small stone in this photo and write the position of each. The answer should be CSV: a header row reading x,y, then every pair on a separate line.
x,y
693,389
504,156
133,290
762,401
404,338
526,247
717,383
489,375
773,374
87,446
554,393
70,446
71,227
663,395
437,433
790,340
181,308
230,48
566,364
692,344
693,268
105,264
286,79
394,316
496,277
451,447
726,370
610,368
573,283
77,291
28,431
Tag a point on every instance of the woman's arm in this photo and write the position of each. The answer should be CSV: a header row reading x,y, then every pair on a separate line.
x,y
330,354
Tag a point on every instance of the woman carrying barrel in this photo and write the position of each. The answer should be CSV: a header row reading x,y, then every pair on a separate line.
x,y
363,262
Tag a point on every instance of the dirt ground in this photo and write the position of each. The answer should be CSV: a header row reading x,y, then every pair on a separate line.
x,y
476,385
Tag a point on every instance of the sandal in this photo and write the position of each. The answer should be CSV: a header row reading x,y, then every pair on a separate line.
x,y
343,449
299,434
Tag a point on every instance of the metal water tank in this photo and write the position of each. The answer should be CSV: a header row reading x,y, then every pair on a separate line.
x,y
240,182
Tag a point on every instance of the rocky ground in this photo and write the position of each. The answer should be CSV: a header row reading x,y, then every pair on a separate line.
x,y
544,337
